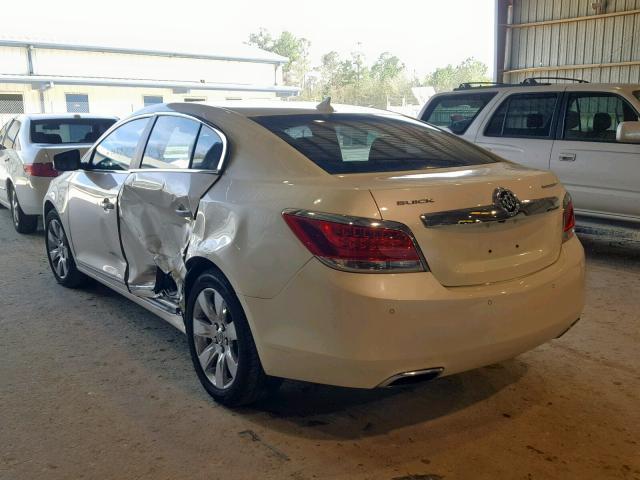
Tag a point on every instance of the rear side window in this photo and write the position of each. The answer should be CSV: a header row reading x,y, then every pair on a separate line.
x,y
170,143
456,112
64,131
118,149
524,115
208,151
362,143
12,133
594,117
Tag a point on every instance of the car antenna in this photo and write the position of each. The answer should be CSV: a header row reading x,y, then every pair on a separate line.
x,y
325,106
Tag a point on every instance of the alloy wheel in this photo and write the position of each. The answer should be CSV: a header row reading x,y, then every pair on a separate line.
x,y
14,208
215,338
58,248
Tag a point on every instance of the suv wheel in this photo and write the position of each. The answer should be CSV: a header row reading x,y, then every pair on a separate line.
x,y
222,349
59,254
22,222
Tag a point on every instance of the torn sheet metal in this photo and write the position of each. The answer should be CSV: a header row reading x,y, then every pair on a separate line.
x,y
157,211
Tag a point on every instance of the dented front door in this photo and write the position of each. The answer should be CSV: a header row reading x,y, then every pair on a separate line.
x,y
157,211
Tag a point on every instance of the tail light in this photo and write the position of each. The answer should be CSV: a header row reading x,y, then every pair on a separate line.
x,y
356,244
41,170
568,218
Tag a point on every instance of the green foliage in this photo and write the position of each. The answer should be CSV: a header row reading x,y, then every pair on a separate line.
x,y
288,45
449,77
351,80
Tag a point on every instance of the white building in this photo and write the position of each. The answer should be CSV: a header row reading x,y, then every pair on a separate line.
x,y
37,76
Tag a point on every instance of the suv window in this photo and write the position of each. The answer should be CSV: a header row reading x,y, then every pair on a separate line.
x,y
12,133
118,149
64,131
524,115
456,112
171,143
208,151
359,143
594,117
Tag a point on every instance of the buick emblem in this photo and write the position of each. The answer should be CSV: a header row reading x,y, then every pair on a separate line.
x,y
506,200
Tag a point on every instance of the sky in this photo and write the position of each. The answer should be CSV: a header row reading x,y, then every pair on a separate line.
x,y
425,34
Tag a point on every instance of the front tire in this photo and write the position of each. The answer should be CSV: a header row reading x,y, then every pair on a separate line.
x,y
59,253
22,222
222,348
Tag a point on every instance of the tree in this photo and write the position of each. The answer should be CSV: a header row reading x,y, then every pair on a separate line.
x,y
449,77
288,45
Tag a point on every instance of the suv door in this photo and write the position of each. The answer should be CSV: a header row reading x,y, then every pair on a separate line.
x,y
602,175
160,199
93,197
522,128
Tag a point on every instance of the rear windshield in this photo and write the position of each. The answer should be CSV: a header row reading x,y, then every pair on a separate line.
x,y
345,143
69,130
456,112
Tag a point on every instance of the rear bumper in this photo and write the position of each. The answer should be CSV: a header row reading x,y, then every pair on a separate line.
x,y
358,330
31,192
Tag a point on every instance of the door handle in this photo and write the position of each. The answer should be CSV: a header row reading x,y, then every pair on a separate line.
x,y
107,205
567,157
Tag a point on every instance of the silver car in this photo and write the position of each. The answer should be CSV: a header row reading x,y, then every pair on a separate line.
x,y
27,146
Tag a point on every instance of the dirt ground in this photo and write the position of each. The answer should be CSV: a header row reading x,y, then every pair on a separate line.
x,y
92,386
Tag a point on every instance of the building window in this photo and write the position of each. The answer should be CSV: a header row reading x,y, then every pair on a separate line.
x,y
11,103
77,103
152,100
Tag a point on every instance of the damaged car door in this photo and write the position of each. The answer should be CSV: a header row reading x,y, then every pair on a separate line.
x,y
92,200
159,201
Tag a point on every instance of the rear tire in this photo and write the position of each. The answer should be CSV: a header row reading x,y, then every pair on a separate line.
x,y
222,348
59,253
22,222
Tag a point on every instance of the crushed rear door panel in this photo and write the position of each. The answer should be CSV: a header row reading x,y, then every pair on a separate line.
x,y
157,211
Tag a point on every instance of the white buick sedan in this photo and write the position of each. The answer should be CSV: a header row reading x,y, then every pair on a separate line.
x,y
337,245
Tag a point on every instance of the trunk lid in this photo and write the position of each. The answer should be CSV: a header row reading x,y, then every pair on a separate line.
x,y
475,252
46,153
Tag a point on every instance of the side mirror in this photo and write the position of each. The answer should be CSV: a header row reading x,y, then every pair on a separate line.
x,y
628,132
67,161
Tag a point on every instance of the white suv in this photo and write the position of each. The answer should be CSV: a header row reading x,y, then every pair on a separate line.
x,y
587,134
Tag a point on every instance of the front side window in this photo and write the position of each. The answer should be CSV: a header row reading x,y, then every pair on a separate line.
x,y
208,151
524,115
362,143
119,148
594,117
456,112
77,103
171,143
64,131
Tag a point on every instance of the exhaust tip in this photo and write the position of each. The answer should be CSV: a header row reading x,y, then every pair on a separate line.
x,y
413,377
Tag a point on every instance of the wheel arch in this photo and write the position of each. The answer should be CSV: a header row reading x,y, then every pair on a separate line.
x,y
195,266
48,206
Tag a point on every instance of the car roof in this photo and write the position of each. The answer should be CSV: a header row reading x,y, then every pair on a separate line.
x,y
264,108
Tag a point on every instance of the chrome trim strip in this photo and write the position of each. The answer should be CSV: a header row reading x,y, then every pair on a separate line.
x,y
217,171
489,213
414,373
363,222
